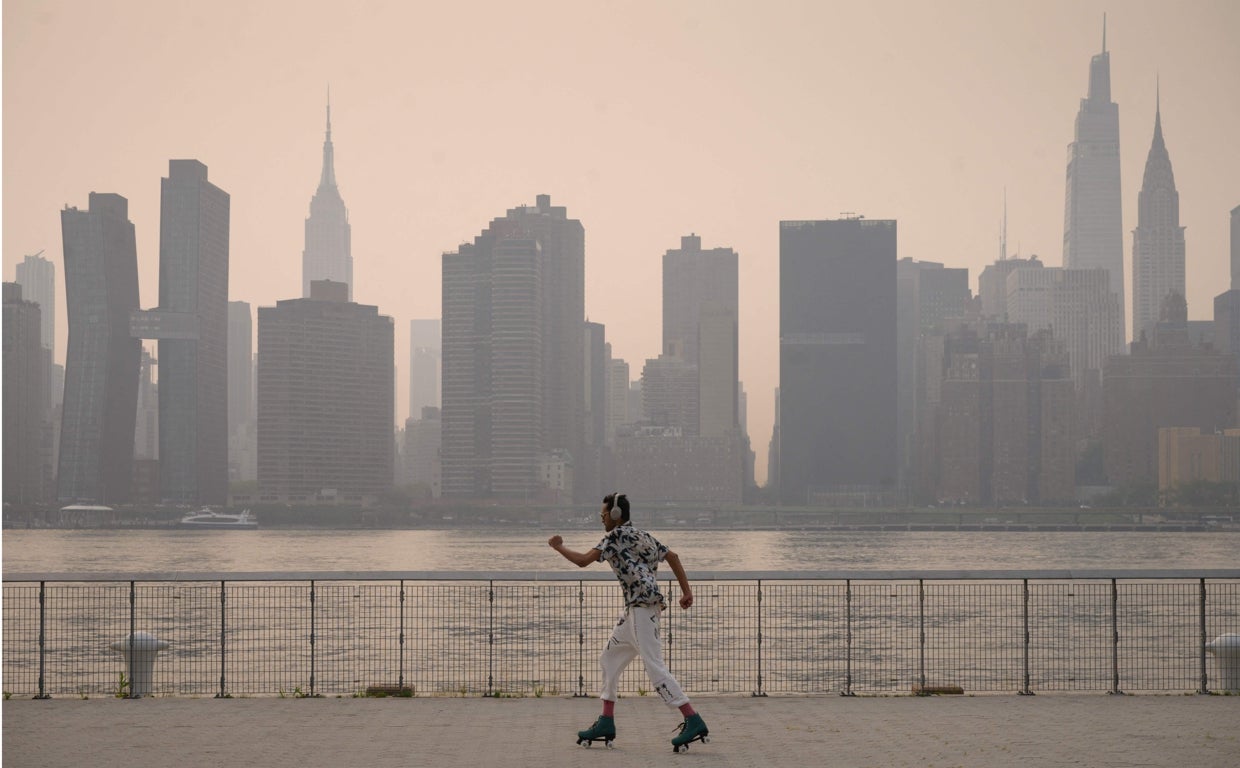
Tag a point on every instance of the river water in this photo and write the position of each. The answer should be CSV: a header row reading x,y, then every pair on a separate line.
x,y
525,549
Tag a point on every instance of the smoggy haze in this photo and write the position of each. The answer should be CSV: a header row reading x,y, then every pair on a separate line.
x,y
648,120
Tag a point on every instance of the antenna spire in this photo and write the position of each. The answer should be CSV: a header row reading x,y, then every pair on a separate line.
x,y
1104,32
328,177
1157,111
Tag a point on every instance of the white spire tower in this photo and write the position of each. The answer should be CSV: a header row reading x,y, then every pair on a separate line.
x,y
328,253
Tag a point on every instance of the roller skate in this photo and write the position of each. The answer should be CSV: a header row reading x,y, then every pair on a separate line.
x,y
604,729
692,729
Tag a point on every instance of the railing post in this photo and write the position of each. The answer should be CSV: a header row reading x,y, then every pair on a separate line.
x,y
921,637
759,692
1202,645
1025,626
581,638
848,691
490,635
221,694
42,635
400,653
1115,690
133,621
312,637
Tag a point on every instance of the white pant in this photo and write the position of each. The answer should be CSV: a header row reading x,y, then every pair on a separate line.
x,y
637,632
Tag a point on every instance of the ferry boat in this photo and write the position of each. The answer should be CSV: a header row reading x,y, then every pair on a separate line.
x,y
214,519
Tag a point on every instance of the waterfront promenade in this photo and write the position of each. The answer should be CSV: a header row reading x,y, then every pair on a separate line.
x,y
932,732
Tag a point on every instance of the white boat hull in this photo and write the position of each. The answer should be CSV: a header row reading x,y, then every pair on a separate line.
x,y
209,519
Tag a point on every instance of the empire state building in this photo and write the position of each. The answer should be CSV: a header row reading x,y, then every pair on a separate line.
x,y
1093,236
328,254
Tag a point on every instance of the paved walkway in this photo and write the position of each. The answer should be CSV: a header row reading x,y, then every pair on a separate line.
x,y
935,732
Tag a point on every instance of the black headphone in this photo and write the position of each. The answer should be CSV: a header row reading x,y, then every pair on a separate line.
x,y
615,512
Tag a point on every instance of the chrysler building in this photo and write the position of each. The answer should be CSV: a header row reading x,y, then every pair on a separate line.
x,y
1158,240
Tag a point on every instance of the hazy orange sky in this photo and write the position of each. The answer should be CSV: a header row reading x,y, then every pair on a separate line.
x,y
648,120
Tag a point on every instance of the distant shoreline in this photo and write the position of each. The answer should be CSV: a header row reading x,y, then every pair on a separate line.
x,y
661,516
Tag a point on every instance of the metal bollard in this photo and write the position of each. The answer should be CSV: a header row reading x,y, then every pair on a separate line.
x,y
1226,650
141,663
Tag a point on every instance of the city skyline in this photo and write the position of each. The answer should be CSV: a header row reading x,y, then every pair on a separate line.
x,y
721,119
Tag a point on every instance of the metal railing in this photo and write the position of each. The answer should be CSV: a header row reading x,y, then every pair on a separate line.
x,y
534,634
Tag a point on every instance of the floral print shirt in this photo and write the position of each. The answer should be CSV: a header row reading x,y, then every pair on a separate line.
x,y
634,555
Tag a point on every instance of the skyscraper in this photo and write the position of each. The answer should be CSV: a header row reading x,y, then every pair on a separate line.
x,y
691,445
700,308
693,278
517,370
465,417
617,396
27,440
1158,240
1235,248
588,467
992,285
326,390
102,359
37,277
929,295
513,325
329,251
595,363
562,242
837,358
193,336
718,368
240,364
1078,305
424,364
422,439
1093,236
146,430
1227,303
242,426
772,455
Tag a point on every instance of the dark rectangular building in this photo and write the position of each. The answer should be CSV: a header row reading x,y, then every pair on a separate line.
x,y
326,392
837,328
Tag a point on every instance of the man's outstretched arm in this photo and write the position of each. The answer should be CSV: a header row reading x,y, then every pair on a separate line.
x,y
581,559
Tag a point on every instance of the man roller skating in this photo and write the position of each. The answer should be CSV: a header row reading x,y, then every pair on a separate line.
x,y
634,556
